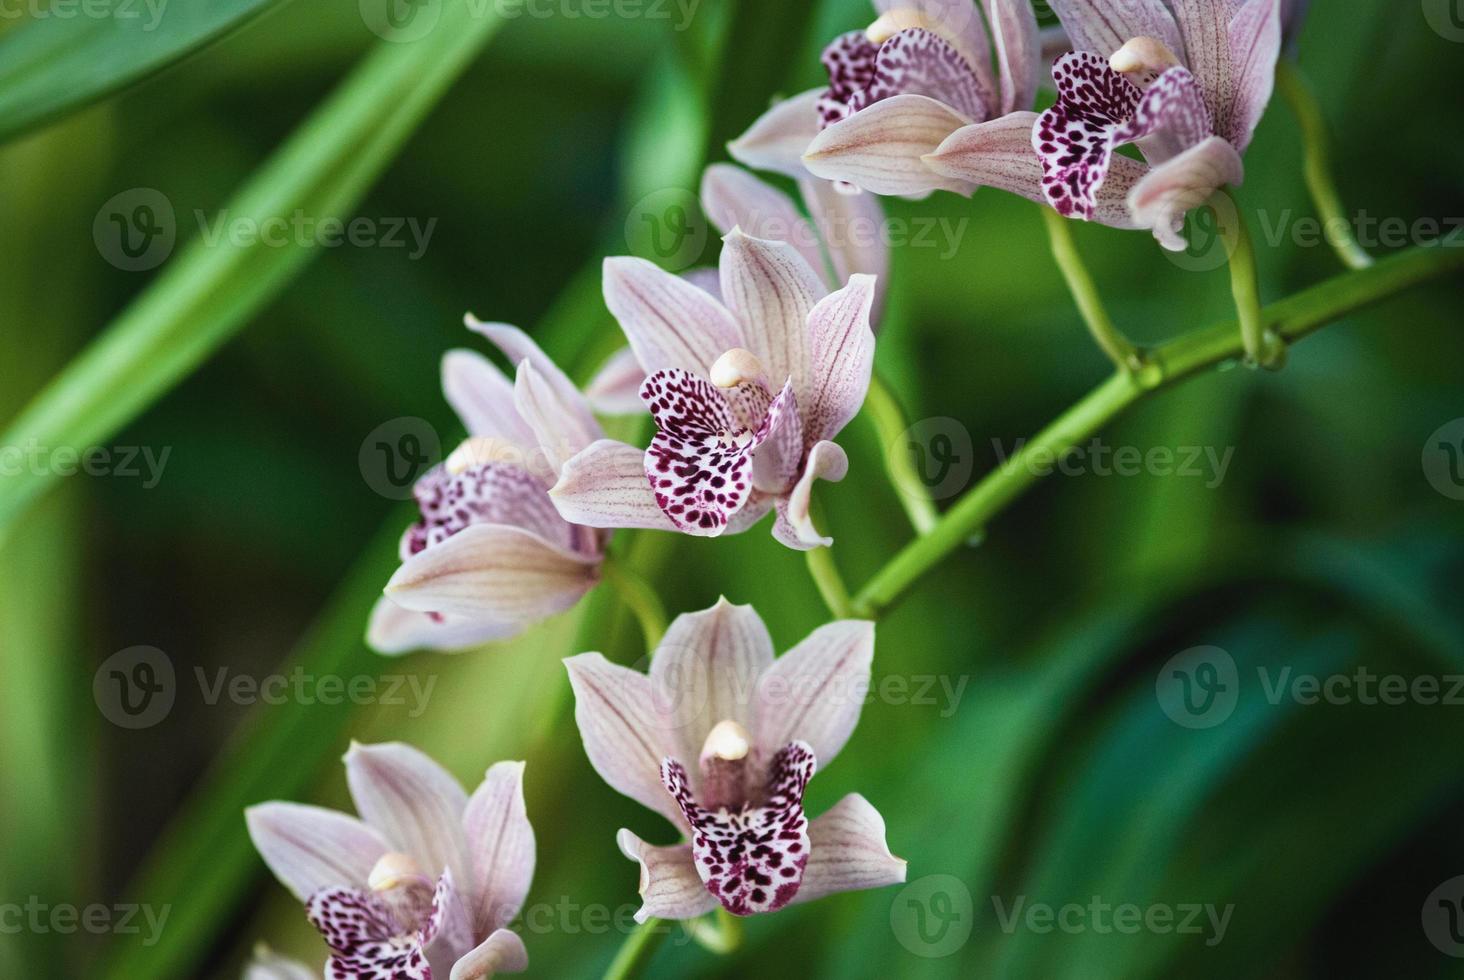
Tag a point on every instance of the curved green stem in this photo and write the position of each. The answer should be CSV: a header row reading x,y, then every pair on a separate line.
x,y
640,597
1318,166
719,933
1124,355
1262,348
890,425
1290,319
638,949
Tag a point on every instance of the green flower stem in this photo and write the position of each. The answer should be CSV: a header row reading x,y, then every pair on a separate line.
x,y
719,933
1291,319
1124,355
884,412
639,596
825,573
1262,348
1318,166
638,949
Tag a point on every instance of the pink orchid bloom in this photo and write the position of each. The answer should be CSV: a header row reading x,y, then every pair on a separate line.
x,y
897,90
1188,86
368,884
746,391
490,555
721,739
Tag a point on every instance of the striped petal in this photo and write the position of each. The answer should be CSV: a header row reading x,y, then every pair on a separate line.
x,y
778,138
1255,46
848,852
734,198
841,348
502,952
310,848
1204,26
852,228
395,630
794,526
500,842
604,485
669,887
670,323
879,148
1162,199
770,289
1104,26
561,420
815,692
615,388
414,803
482,397
519,347
1018,46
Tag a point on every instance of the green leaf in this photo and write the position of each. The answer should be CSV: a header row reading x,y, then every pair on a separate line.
x,y
54,64
210,290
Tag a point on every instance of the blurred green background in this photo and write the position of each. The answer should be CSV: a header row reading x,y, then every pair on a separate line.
x,y
1056,776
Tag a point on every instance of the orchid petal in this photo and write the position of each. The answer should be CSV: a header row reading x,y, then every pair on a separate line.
x,y
777,139
482,397
518,347
489,493
708,280
921,62
615,388
492,572
560,426
879,148
959,22
669,887
622,730
604,485
269,965
751,859
756,508
449,918
842,355
502,952
852,228
815,692
1205,27
849,60
770,289
500,843
705,670
350,919
1170,118
670,323
794,527
395,630
1161,200
414,803
1255,47
1075,138
309,848
1015,36
1055,43
734,198
849,852
1104,26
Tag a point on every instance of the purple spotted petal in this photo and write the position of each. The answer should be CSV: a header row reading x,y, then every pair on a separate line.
x,y
1171,117
751,859
350,919
1075,138
493,493
849,60
699,463
389,960
921,62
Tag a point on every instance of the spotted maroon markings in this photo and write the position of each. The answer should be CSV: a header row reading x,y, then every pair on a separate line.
x,y
699,463
1075,138
493,493
849,60
1174,108
365,939
921,62
380,961
752,856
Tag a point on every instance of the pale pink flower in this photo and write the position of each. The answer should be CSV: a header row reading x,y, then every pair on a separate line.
x,y
721,739
747,392
491,555
423,884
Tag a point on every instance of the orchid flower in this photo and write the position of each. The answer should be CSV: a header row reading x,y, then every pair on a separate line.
x,y
721,739
923,70
490,555
269,965
1188,87
368,883
746,393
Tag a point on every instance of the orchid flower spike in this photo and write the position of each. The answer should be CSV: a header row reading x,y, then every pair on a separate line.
x,y
1187,87
490,555
898,89
721,739
746,392
424,884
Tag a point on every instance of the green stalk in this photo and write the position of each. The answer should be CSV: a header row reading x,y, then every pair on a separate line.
x,y
1124,355
639,596
1262,348
1291,319
889,421
638,949
1299,96
208,292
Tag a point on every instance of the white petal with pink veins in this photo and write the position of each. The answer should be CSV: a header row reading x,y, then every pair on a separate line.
x,y
852,227
841,349
500,842
1018,46
849,852
879,148
670,323
561,429
669,886
482,397
794,527
734,198
1104,26
815,692
1205,27
604,485
620,725
394,630
309,848
1255,47
1161,200
518,347
771,289
502,952
414,803
777,139
615,388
